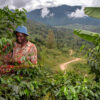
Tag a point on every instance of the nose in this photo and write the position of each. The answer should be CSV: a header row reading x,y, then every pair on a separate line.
x,y
18,38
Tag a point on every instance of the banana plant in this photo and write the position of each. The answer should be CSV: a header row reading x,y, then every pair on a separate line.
x,y
92,12
94,53
89,36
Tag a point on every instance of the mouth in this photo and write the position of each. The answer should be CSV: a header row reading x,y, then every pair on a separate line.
x,y
19,41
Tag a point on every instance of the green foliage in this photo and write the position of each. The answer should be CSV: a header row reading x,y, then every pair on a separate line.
x,y
62,37
94,60
37,83
5,45
79,26
93,53
89,36
9,20
92,11
51,43
51,57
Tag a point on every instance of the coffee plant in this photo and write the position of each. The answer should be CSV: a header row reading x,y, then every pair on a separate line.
x,y
9,20
39,84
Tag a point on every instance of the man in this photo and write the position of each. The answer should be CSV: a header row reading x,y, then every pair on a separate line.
x,y
23,49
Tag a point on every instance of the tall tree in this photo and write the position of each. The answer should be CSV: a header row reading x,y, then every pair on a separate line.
x,y
50,41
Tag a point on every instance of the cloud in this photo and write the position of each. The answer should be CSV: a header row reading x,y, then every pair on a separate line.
x,y
79,13
45,12
74,2
2,2
96,3
20,3
35,4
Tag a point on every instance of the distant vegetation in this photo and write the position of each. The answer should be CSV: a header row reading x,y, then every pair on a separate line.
x,y
94,28
64,37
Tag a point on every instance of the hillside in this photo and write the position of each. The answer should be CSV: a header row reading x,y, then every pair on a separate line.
x,y
64,37
59,16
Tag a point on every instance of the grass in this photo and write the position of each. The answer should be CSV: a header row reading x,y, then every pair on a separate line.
x,y
81,67
52,58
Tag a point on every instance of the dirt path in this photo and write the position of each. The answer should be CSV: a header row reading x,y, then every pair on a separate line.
x,y
64,65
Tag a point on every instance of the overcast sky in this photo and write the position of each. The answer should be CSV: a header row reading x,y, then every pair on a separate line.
x,y
34,4
44,4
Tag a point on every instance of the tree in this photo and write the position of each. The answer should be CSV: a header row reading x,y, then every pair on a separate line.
x,y
51,43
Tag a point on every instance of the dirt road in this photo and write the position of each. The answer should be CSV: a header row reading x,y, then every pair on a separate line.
x,y
64,65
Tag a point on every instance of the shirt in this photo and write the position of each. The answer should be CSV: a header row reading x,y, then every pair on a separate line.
x,y
23,54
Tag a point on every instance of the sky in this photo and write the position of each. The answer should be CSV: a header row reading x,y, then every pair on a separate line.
x,y
30,5
36,4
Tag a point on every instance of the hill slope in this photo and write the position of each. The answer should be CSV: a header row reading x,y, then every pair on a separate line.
x,y
58,16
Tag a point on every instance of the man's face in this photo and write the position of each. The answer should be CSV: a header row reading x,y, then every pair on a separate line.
x,y
20,37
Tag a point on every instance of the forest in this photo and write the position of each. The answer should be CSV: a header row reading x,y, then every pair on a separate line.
x,y
79,80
